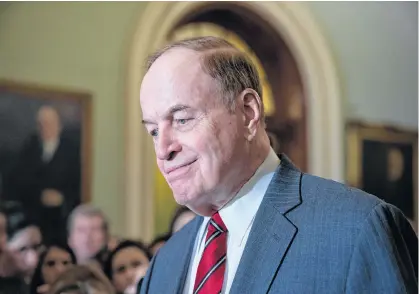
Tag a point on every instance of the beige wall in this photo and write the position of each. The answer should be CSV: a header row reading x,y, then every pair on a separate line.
x,y
376,49
84,46
78,46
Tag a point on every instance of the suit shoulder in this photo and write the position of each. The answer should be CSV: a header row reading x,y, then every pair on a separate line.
x,y
338,195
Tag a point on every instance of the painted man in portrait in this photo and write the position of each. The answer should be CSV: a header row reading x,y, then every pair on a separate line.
x,y
46,178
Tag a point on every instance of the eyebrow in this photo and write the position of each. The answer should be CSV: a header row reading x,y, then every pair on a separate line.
x,y
172,110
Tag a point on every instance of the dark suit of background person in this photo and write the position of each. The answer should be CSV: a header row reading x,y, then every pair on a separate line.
x,y
36,172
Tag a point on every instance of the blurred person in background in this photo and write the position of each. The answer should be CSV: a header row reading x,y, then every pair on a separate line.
x,y
55,260
113,242
3,228
158,242
24,240
88,234
182,216
10,278
127,265
82,279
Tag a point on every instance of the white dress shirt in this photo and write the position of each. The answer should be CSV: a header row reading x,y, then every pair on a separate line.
x,y
238,216
49,148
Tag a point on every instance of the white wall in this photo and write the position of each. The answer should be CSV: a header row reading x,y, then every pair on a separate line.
x,y
376,48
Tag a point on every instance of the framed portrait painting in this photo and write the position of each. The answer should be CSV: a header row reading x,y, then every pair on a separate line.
x,y
45,147
383,161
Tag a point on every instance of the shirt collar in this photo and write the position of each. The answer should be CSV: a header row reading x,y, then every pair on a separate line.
x,y
239,213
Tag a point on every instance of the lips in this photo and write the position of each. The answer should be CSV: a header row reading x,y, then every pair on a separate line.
x,y
177,167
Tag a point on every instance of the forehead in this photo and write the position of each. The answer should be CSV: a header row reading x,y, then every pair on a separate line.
x,y
55,251
47,113
29,234
128,253
175,78
86,220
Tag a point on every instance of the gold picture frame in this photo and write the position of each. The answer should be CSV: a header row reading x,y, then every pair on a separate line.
x,y
383,160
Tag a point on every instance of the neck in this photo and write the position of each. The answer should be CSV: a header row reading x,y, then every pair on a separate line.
x,y
257,156
82,259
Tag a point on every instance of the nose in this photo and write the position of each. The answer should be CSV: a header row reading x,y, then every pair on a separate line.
x,y
130,275
60,268
166,145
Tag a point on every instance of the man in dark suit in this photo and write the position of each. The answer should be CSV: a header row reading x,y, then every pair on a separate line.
x,y
263,225
46,179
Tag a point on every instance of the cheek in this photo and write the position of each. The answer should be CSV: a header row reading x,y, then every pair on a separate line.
x,y
206,141
160,165
45,273
99,236
50,273
119,281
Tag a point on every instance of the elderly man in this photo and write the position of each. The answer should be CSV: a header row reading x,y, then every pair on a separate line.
x,y
264,226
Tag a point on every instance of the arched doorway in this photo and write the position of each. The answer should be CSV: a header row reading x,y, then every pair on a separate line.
x,y
320,122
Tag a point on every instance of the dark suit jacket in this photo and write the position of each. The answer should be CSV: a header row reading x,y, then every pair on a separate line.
x,y
31,175
310,235
13,285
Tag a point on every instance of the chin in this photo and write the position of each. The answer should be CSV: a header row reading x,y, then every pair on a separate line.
x,y
202,210
195,205
182,199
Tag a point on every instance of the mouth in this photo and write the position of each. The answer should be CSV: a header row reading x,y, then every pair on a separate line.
x,y
178,168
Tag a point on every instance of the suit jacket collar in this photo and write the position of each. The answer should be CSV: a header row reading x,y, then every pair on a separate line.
x,y
272,233
266,246
284,190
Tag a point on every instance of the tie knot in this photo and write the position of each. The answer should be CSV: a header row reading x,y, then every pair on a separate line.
x,y
218,223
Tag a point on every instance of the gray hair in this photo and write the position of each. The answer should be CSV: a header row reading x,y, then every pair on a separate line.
x,y
229,67
87,210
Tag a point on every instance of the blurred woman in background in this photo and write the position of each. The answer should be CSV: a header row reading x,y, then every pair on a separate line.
x,y
181,217
24,240
82,279
158,243
127,265
10,278
55,260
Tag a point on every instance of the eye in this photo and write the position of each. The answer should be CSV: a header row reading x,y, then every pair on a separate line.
x,y
50,263
182,121
23,249
154,133
121,269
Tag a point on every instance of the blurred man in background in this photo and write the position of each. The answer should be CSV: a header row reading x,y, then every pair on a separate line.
x,y
11,270
88,234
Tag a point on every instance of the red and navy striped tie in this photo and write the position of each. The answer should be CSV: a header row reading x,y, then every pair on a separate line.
x,y
210,274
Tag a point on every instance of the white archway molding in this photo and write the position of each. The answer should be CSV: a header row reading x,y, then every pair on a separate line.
x,y
297,27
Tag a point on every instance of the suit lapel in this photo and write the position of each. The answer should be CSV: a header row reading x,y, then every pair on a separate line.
x,y
179,269
272,233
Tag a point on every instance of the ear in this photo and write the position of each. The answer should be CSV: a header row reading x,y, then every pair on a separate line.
x,y
252,111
